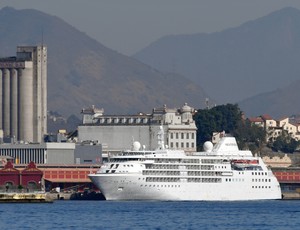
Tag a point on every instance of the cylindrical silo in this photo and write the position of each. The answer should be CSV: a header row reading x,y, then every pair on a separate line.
x,y
13,103
6,102
26,103
44,90
1,98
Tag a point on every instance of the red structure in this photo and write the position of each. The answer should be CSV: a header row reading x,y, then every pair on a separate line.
x,y
31,177
12,178
9,176
287,176
69,177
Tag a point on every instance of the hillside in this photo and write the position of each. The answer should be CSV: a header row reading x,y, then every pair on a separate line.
x,y
82,72
238,63
278,103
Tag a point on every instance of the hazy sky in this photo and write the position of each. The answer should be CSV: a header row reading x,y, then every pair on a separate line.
x,y
130,25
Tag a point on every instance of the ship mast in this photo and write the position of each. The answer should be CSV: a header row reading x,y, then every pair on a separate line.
x,y
160,138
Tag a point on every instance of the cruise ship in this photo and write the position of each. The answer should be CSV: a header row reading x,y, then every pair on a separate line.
x,y
219,173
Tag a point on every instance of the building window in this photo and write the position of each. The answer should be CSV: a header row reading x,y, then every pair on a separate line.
x,y
182,135
187,136
176,135
187,145
171,136
171,144
193,136
193,145
176,144
182,144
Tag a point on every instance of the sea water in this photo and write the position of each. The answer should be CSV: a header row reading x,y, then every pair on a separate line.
x,y
281,214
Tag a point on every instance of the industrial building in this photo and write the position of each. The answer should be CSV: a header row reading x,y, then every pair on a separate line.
x,y
23,97
52,153
117,132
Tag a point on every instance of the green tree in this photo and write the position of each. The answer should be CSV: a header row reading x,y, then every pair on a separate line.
x,y
217,119
228,118
284,143
250,136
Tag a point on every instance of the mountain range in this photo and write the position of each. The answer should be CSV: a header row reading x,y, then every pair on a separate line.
x,y
256,64
82,72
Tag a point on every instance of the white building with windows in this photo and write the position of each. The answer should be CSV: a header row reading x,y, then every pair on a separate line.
x,y
117,132
275,128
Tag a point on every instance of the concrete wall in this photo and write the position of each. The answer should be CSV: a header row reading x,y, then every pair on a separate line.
x,y
60,153
115,137
88,154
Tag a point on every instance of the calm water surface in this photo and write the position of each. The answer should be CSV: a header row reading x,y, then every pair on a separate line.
x,y
151,215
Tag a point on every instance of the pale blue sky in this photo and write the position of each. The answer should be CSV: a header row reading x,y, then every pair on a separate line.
x,y
130,25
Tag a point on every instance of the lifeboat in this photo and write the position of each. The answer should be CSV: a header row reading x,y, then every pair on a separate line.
x,y
244,162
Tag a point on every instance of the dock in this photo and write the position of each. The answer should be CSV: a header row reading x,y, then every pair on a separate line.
x,y
25,198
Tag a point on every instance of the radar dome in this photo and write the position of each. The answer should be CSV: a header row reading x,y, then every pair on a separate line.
x,y
136,146
208,146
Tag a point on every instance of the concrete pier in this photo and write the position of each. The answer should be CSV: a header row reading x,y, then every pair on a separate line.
x,y
25,198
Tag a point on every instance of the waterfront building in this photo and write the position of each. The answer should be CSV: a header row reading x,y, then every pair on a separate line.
x,y
52,153
28,178
118,132
45,177
278,161
274,128
23,97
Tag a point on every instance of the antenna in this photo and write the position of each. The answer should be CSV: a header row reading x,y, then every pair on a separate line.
x,y
42,37
207,103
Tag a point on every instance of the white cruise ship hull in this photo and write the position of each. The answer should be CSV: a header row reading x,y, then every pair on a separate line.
x,y
222,173
130,187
